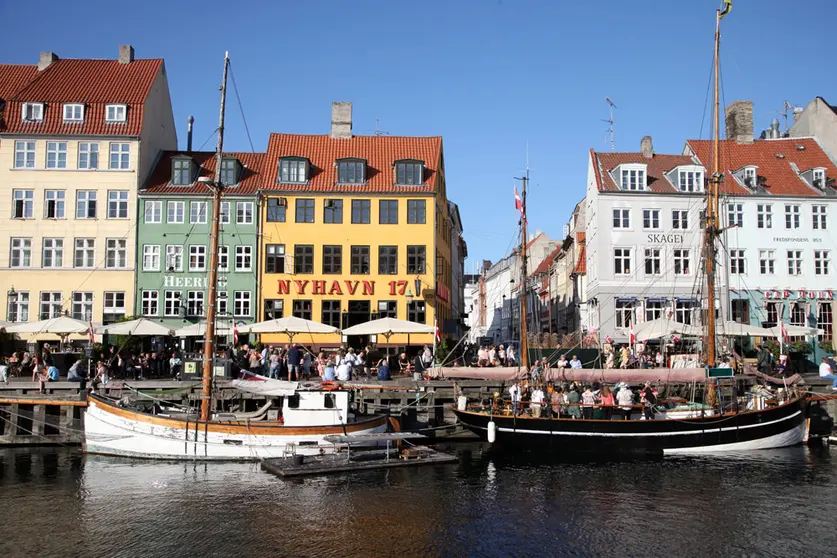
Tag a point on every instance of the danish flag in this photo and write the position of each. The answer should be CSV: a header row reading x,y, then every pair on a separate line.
x,y
235,333
90,332
633,337
784,333
438,335
518,203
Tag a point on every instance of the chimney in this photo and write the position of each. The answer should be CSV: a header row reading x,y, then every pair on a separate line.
x,y
190,120
341,120
739,121
46,59
646,147
126,54
774,129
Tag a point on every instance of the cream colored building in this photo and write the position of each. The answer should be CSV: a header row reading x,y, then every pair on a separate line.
x,y
77,140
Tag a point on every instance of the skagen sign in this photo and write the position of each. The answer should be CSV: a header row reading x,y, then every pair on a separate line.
x,y
665,238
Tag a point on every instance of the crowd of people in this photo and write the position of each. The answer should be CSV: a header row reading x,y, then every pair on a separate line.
x,y
492,355
575,400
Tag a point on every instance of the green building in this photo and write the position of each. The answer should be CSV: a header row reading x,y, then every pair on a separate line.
x,y
173,239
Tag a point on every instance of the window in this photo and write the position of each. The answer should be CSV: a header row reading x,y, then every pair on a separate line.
x,y
360,260
151,257
223,258
197,212
33,112
18,310
175,211
276,210
181,172
117,204
822,262
114,308
243,258
651,218
682,264
274,261
737,262
691,181
767,262
818,175
683,310
153,211
765,216
197,257
120,156
24,154
229,173
332,259
302,309
653,309
409,173
86,204
83,306
735,214
820,217
633,179
56,155
621,218
224,213
85,253
331,313
799,314
416,311
791,216
772,314
388,212
54,204
388,260
622,261
242,303
150,303
624,313
221,304
52,254
174,258
303,258
794,262
116,253
333,211
274,309
172,303
115,113
350,172
652,261
416,212
360,211
680,219
750,172
304,211
50,305
416,260
88,156
21,255
24,204
388,309
244,213
825,321
194,303
293,171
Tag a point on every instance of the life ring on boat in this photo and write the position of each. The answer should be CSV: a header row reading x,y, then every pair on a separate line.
x,y
329,386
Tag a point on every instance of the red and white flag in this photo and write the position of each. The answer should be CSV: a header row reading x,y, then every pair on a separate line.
x,y
783,333
438,334
90,332
633,337
518,203
235,334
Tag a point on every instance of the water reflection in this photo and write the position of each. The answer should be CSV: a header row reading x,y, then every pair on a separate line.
x,y
486,505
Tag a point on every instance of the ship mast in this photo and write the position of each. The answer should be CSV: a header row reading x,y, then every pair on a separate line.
x,y
712,203
524,343
212,290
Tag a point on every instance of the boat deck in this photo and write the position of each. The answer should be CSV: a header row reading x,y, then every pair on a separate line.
x,y
367,460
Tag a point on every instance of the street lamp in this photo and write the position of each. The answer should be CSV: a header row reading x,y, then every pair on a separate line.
x,y
12,310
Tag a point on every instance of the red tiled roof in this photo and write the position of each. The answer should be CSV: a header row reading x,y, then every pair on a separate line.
x,y
547,261
581,264
91,82
380,153
657,166
780,177
14,77
160,180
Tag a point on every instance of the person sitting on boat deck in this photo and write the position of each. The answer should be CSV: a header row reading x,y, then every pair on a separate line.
x,y
514,393
329,370
624,357
724,362
782,367
556,397
588,399
562,362
536,371
492,356
609,361
511,359
501,355
383,370
658,359
482,356
763,362
575,363
648,398
344,371
625,399
827,373
607,401
574,398
537,402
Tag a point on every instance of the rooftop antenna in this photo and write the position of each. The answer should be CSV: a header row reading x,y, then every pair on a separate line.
x,y
788,108
379,132
610,123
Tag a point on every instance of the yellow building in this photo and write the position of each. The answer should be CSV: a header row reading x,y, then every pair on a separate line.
x,y
355,228
77,139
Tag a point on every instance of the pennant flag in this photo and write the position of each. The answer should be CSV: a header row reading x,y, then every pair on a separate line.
x,y
235,334
518,203
633,337
438,335
784,333
90,332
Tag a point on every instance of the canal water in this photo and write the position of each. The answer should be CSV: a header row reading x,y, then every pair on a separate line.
x,y
58,502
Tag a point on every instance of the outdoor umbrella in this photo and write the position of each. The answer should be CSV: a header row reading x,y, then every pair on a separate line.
x,y
139,327
199,330
795,331
62,325
290,325
387,327
655,329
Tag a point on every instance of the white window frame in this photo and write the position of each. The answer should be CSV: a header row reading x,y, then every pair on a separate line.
x,y
684,174
765,216
684,311
90,196
25,154
651,219
242,211
735,214
52,302
32,112
54,247
193,299
174,255
115,113
28,207
225,212
622,217
242,252
792,212
56,155
680,219
87,246
118,248
73,113
738,262
795,262
654,256
175,207
767,261
83,300
150,301
58,198
118,204
625,256
197,212
151,257
822,262
197,255
682,258
88,155
242,300
819,216
23,247
153,211
21,313
119,156
624,313
172,298
633,175
110,306
223,258
221,304
818,174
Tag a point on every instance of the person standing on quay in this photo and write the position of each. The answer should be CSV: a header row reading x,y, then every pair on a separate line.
x,y
294,363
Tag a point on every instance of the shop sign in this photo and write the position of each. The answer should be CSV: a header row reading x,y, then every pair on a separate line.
x,y
336,287
178,281
781,295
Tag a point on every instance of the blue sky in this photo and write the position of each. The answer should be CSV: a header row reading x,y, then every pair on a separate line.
x,y
489,76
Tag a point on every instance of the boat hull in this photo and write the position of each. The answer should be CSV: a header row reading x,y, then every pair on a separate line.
x,y
781,426
113,430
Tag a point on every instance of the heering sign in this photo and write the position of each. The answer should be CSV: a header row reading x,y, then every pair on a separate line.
x,y
173,281
665,238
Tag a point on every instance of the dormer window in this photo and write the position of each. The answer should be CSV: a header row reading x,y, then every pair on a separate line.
x,y
351,171
690,180
750,172
631,177
230,172
409,173
33,112
819,177
73,113
115,113
181,171
293,170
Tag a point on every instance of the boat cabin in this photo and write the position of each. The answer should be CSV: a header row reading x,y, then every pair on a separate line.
x,y
315,408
